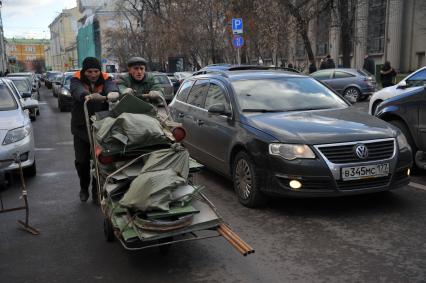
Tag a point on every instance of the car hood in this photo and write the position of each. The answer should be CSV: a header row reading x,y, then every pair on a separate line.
x,y
12,119
391,91
320,127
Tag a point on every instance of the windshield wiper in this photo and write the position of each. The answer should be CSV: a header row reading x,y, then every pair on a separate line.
x,y
262,110
307,109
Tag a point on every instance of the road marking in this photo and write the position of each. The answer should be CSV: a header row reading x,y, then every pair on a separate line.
x,y
42,103
417,186
44,149
65,143
53,174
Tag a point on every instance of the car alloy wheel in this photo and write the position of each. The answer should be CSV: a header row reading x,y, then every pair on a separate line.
x,y
243,179
353,93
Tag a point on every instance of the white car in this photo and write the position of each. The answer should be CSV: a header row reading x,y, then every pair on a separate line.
x,y
16,132
415,80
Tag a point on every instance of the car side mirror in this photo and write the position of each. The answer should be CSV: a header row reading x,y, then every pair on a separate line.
x,y
402,85
219,109
26,95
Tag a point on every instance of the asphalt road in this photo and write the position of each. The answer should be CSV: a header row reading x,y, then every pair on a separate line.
x,y
370,238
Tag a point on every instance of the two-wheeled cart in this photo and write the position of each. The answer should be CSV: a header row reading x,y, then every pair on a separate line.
x,y
114,172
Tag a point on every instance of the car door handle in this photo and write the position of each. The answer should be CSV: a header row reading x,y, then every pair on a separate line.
x,y
200,122
181,115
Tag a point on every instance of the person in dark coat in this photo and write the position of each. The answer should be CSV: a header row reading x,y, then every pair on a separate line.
x,y
329,62
369,64
312,68
290,65
387,74
88,84
323,64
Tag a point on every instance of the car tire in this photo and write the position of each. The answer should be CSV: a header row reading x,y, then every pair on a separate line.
x,y
33,116
31,171
60,107
354,92
374,107
400,125
108,230
246,181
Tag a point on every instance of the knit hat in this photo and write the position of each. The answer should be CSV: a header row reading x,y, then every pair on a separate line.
x,y
90,63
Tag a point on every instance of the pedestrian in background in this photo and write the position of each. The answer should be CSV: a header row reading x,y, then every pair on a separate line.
x,y
312,67
329,62
323,64
88,84
387,75
369,64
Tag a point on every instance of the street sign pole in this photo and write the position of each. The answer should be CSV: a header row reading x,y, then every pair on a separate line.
x,y
238,40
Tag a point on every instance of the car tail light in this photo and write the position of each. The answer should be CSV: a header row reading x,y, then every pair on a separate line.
x,y
101,158
105,159
179,133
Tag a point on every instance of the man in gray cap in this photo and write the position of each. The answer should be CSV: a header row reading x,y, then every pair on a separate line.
x,y
137,81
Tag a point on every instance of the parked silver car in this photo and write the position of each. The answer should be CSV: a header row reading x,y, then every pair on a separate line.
x,y
22,90
354,84
16,132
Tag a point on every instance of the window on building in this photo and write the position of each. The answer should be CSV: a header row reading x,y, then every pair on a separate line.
x,y
322,33
376,26
12,48
30,49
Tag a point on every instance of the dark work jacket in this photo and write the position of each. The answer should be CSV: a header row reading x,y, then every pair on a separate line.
x,y
387,79
78,91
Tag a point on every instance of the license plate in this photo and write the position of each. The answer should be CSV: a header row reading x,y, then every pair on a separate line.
x,y
369,171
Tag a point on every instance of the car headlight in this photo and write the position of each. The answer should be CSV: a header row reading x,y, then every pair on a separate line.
x,y
65,92
17,134
291,151
402,141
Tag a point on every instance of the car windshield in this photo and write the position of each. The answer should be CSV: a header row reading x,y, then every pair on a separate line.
x,y
67,81
285,94
51,76
21,85
7,102
161,80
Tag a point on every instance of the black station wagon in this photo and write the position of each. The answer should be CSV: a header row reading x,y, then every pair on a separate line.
x,y
282,133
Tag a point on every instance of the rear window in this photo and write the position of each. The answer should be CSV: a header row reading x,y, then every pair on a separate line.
x,y
21,85
161,80
341,75
322,75
198,93
182,95
7,102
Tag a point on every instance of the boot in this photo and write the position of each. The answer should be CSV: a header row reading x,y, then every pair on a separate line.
x,y
84,195
95,198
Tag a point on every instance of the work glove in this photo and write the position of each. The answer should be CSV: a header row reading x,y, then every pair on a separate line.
x,y
154,94
95,97
113,96
128,91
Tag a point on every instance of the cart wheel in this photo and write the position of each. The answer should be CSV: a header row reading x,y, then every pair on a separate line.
x,y
108,230
164,250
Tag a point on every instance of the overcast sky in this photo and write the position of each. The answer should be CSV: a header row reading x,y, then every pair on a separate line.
x,y
31,18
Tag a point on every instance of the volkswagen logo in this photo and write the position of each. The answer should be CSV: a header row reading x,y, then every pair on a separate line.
x,y
361,151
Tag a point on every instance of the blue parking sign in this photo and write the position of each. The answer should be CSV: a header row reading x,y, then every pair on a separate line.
x,y
238,41
237,25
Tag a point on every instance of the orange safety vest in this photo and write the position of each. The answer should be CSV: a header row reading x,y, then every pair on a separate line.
x,y
99,88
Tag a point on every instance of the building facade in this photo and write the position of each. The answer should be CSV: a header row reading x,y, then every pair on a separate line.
x,y
386,30
63,32
97,18
26,54
3,55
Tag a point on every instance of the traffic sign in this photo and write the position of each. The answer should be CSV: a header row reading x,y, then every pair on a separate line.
x,y
237,25
238,41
